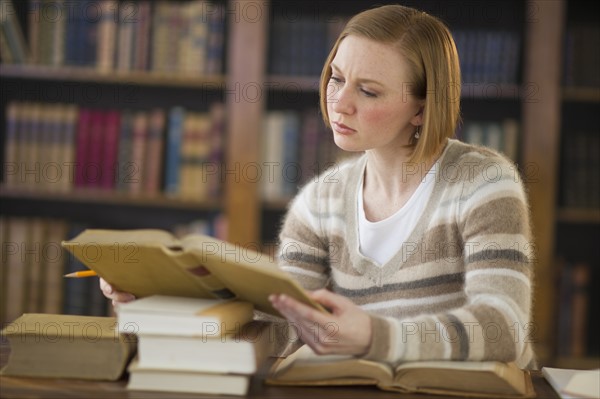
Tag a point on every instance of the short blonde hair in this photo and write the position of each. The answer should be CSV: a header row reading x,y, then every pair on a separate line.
x,y
434,71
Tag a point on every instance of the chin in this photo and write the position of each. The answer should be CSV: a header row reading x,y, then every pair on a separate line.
x,y
347,145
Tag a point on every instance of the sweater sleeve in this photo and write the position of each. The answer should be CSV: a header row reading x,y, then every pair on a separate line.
x,y
303,250
494,322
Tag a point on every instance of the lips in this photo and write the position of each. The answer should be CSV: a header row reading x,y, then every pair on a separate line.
x,y
342,129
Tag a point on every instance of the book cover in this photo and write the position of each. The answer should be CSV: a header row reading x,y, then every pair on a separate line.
x,y
183,316
152,262
144,379
67,346
242,350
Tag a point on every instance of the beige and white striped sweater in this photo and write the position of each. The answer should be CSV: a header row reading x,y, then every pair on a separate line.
x,y
460,287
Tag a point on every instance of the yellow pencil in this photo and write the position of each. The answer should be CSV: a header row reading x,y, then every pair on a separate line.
x,y
83,273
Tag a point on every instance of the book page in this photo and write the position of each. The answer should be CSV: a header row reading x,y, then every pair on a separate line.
x,y
304,367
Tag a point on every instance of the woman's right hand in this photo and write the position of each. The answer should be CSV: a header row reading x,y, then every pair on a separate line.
x,y
117,297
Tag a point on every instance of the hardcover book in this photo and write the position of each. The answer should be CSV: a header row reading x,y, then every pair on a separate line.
x,y
154,262
67,346
448,378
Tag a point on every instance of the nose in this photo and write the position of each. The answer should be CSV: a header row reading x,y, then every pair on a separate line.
x,y
341,99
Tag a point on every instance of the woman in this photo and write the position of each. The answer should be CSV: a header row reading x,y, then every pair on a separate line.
x,y
420,247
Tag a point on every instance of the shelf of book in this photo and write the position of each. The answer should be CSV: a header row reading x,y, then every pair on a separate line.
x,y
91,74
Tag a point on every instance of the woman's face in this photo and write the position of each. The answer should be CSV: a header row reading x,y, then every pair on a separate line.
x,y
368,97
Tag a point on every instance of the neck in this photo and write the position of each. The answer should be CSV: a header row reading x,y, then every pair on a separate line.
x,y
392,175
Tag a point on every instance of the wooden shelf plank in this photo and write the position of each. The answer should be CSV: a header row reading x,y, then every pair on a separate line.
x,y
95,196
582,216
70,73
581,94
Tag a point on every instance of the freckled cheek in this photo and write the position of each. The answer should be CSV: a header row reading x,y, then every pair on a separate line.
x,y
379,116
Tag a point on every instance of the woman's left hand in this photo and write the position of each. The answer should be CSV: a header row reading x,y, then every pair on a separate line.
x,y
346,330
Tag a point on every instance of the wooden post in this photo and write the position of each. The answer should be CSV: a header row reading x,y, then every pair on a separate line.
x,y
541,140
245,99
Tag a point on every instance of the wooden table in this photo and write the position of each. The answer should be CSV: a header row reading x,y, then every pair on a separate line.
x,y
58,388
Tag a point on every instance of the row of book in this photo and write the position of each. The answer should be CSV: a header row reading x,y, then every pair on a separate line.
x,y
582,56
299,47
580,170
501,136
162,36
60,147
34,262
488,56
576,308
296,146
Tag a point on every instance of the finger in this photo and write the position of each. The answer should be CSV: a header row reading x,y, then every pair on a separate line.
x,y
299,311
106,288
122,297
331,300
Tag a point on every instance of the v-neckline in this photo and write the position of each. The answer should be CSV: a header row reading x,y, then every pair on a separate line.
x,y
365,265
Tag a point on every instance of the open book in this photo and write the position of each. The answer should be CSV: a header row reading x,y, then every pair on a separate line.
x,y
150,262
455,378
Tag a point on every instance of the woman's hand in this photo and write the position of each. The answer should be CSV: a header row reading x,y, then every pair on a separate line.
x,y
116,296
346,330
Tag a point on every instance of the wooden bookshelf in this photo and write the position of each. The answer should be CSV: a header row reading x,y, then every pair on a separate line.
x,y
87,74
104,197
580,216
581,94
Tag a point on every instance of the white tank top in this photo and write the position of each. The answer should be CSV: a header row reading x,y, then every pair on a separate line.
x,y
381,240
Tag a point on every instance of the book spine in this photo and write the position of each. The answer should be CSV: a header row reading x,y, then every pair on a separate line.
x,y
153,159
83,144
138,148
107,36
216,41
173,148
93,175
11,149
126,169
142,36
54,264
15,39
68,147
111,149
33,26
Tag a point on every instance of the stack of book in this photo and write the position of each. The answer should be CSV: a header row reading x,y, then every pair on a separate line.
x,y
193,345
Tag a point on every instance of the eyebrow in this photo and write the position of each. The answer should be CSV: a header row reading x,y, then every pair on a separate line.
x,y
360,80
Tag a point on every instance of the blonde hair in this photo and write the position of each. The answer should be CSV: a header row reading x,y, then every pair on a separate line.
x,y
434,71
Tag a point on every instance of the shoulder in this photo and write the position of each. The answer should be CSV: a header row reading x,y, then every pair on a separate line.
x,y
476,166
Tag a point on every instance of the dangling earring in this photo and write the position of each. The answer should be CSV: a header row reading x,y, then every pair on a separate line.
x,y
417,133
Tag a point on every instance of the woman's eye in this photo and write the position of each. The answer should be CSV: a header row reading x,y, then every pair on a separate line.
x,y
368,93
335,79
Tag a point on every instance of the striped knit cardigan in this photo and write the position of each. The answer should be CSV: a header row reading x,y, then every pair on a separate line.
x,y
460,287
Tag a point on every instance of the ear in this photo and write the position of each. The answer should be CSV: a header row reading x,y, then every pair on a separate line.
x,y
417,120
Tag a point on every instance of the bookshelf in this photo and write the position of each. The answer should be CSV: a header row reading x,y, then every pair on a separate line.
x,y
536,99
